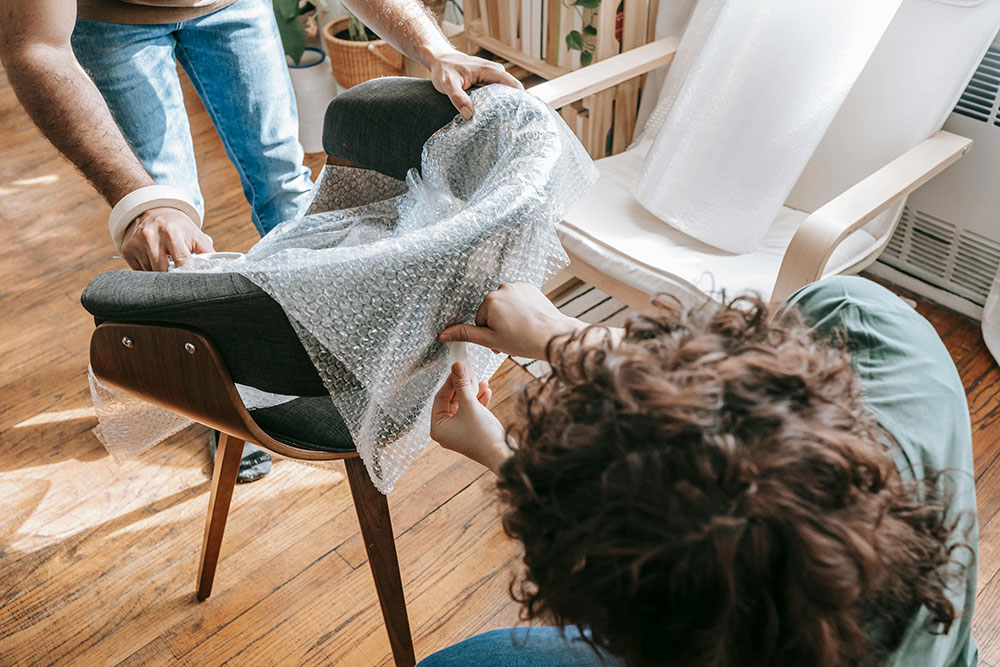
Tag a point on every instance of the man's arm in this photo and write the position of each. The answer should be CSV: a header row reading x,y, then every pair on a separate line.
x,y
70,111
409,28
61,98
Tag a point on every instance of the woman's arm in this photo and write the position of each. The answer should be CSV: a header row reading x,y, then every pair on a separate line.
x,y
461,422
519,320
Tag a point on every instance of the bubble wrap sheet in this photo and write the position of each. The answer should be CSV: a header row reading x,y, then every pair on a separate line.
x,y
752,91
376,268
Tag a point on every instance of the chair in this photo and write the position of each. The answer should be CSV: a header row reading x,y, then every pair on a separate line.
x,y
883,144
181,341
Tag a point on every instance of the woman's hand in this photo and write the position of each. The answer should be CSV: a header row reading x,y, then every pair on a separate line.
x,y
517,319
461,422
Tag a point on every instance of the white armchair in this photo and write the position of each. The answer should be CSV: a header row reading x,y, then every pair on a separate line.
x,y
883,144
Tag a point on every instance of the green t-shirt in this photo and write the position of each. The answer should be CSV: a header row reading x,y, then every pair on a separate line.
x,y
910,384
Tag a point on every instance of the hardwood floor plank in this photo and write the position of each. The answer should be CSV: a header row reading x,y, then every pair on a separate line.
x,y
984,623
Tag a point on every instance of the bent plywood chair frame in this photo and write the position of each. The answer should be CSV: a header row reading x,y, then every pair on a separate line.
x,y
181,369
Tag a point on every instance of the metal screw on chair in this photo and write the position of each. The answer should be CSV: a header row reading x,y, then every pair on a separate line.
x,y
965,149
126,341
189,347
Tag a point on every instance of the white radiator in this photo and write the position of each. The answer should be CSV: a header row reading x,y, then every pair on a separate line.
x,y
947,245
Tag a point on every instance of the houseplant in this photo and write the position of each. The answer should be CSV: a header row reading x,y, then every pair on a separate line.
x,y
357,54
311,80
294,19
584,43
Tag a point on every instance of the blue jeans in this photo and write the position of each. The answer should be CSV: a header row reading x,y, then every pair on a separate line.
x,y
235,60
522,647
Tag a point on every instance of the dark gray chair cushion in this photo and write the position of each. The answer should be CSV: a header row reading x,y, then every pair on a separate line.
x,y
310,423
256,341
382,125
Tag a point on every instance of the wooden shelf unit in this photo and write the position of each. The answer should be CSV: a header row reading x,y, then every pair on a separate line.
x,y
605,122
476,37
602,119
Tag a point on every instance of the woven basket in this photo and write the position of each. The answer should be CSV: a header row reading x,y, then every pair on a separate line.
x,y
354,62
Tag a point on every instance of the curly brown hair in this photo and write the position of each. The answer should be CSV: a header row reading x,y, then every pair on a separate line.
x,y
710,491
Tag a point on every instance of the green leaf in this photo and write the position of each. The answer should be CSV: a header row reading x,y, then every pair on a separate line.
x,y
589,30
588,4
574,40
293,33
586,58
293,38
285,9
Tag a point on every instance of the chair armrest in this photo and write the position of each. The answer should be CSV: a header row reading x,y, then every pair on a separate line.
x,y
810,248
605,74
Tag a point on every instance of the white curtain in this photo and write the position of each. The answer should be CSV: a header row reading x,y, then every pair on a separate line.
x,y
753,89
991,319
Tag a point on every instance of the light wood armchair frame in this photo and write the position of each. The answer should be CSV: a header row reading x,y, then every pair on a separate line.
x,y
814,242
181,369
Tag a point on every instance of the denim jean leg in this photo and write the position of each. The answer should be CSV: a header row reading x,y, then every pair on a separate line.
x,y
134,68
235,60
522,647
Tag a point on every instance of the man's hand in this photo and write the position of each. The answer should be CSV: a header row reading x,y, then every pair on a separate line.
x,y
517,319
160,232
454,72
461,422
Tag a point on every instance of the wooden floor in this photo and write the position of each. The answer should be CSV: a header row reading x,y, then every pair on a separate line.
x,y
98,561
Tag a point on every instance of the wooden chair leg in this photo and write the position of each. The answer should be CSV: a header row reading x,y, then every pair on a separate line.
x,y
376,528
227,465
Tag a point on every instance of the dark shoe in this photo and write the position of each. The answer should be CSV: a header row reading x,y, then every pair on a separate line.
x,y
255,462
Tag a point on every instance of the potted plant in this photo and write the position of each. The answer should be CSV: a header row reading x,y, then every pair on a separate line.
x,y
357,54
584,42
311,81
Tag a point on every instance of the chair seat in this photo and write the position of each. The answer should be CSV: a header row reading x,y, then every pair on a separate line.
x,y
612,232
250,330
308,423
258,344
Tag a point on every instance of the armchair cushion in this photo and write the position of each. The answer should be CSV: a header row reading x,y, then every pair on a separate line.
x,y
612,232
253,335
257,343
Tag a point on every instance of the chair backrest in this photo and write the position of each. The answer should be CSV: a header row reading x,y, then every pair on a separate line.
x,y
904,94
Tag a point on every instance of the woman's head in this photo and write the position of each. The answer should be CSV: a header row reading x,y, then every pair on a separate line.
x,y
710,491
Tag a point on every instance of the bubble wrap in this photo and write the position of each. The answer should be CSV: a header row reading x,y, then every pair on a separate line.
x,y
376,268
126,425
752,91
